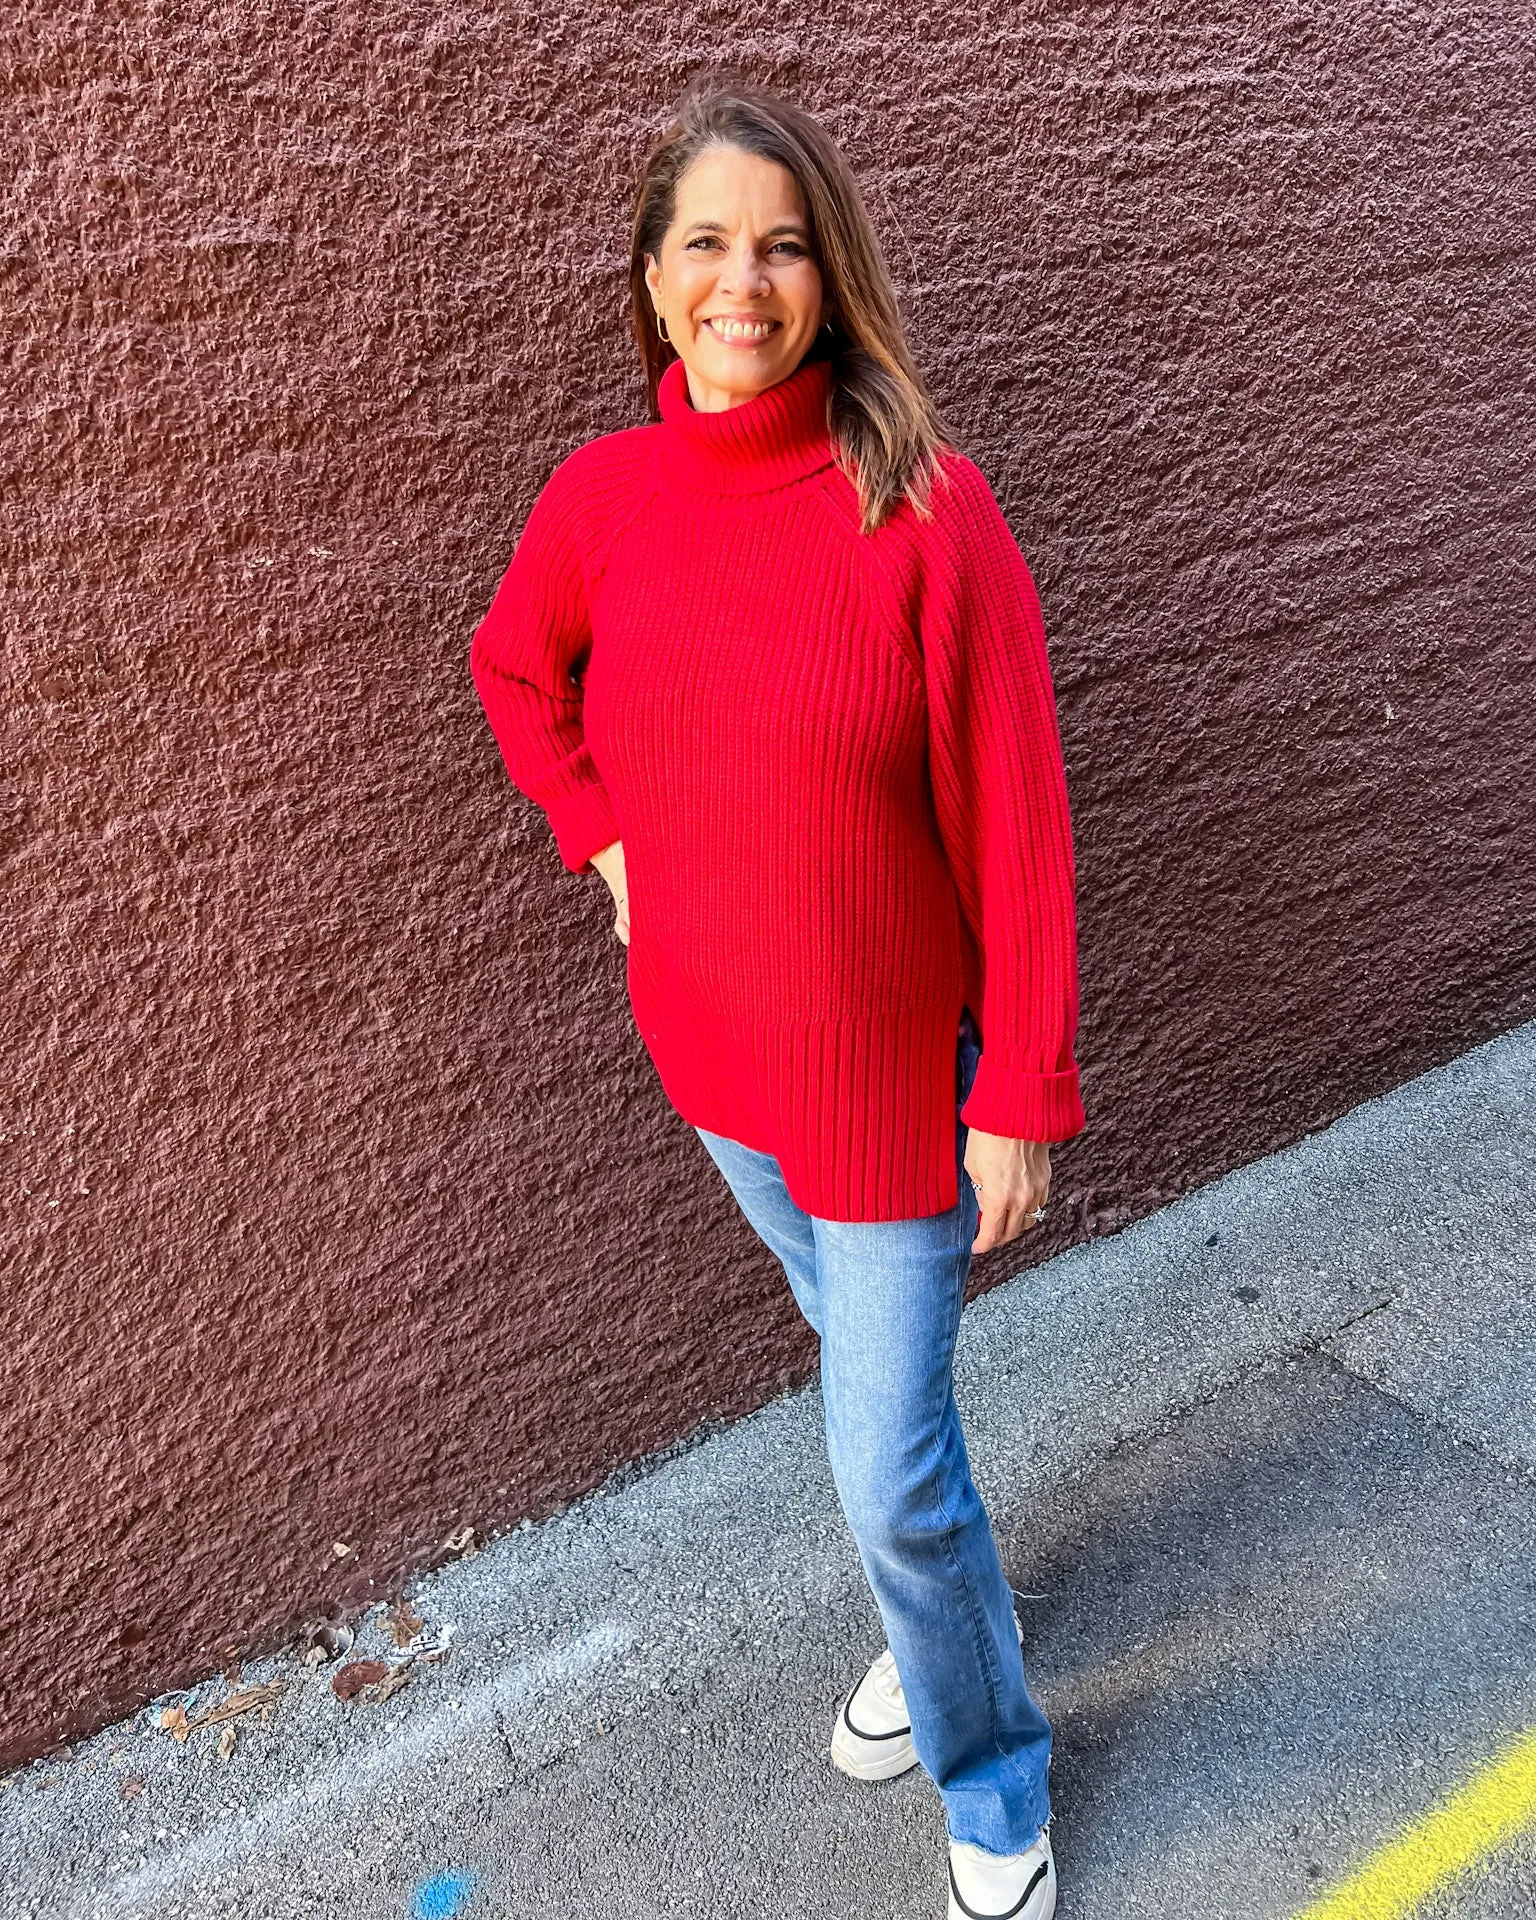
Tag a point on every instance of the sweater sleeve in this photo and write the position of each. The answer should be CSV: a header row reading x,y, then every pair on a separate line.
x,y
523,656
1000,794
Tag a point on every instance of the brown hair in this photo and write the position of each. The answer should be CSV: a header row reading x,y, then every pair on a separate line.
x,y
885,429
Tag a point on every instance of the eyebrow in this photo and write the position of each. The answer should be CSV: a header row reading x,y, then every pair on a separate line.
x,y
718,226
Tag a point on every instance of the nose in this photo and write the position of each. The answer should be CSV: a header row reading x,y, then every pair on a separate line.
x,y
746,272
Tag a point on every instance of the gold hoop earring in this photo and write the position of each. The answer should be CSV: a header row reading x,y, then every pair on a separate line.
x,y
661,328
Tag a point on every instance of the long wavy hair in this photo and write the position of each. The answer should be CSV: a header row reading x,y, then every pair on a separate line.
x,y
886,432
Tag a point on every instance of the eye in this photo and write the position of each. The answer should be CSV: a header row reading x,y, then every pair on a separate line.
x,y
701,240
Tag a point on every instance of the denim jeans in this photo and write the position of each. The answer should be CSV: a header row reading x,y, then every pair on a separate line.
x,y
885,1298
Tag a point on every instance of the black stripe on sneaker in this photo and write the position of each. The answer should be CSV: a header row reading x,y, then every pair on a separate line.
x,y
1018,1905
896,1733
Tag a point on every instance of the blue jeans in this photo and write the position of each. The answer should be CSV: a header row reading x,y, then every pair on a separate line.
x,y
885,1298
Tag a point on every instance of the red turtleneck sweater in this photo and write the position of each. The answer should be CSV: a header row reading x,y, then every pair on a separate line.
x,y
834,764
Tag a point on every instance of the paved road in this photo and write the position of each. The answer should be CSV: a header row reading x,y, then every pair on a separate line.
x,y
1265,1464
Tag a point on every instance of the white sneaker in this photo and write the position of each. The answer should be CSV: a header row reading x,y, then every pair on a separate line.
x,y
872,1736
1002,1886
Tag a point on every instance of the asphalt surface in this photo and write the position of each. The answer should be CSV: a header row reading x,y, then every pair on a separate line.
x,y
1264,1465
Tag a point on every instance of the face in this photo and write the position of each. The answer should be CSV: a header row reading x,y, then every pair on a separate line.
x,y
737,283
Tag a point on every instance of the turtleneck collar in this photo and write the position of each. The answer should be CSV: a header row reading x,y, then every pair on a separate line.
x,y
778,436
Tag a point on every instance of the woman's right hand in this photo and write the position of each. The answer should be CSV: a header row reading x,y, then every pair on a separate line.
x,y
610,864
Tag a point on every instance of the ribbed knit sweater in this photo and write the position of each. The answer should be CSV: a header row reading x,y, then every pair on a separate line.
x,y
834,764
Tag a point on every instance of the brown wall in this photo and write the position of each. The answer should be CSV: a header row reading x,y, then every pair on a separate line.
x,y
342,1203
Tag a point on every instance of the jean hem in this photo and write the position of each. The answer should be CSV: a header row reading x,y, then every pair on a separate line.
x,y
1008,1851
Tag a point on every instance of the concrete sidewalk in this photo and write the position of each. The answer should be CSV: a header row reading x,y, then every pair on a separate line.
x,y
1265,1465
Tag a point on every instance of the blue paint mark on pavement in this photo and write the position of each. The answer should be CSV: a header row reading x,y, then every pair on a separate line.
x,y
441,1897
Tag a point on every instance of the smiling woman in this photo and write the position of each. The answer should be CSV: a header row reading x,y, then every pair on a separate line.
x,y
774,667
739,297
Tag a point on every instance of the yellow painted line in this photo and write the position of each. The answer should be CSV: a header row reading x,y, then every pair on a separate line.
x,y
1491,1808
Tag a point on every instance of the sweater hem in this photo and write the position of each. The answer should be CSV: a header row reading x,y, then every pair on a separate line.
x,y
859,1112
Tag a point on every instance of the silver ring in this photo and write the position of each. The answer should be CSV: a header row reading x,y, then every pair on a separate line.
x,y
977,1185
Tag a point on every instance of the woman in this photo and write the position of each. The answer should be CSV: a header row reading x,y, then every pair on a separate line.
x,y
773,665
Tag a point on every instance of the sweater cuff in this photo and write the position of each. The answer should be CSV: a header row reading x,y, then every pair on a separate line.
x,y
1023,1106
582,822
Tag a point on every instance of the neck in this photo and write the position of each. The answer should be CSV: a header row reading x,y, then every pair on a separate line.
x,y
708,398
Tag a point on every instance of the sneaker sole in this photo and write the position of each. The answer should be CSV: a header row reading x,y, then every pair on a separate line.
x,y
885,1766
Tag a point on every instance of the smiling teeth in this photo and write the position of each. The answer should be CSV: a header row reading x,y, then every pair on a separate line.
x,y
742,329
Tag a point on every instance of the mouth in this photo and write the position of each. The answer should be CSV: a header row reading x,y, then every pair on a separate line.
x,y
742,333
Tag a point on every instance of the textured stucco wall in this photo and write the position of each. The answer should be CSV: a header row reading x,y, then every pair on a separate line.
x,y
342,1204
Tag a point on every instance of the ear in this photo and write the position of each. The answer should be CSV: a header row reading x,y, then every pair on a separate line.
x,y
653,280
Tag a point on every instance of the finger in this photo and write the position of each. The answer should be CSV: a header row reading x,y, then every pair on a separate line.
x,y
1001,1222
986,1232
1014,1220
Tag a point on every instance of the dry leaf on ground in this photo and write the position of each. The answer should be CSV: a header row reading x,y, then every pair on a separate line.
x,y
227,1740
350,1680
393,1681
245,1701
404,1623
132,1787
175,1722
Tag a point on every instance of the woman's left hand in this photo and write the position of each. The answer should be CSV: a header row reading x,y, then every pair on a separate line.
x,y
1015,1177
